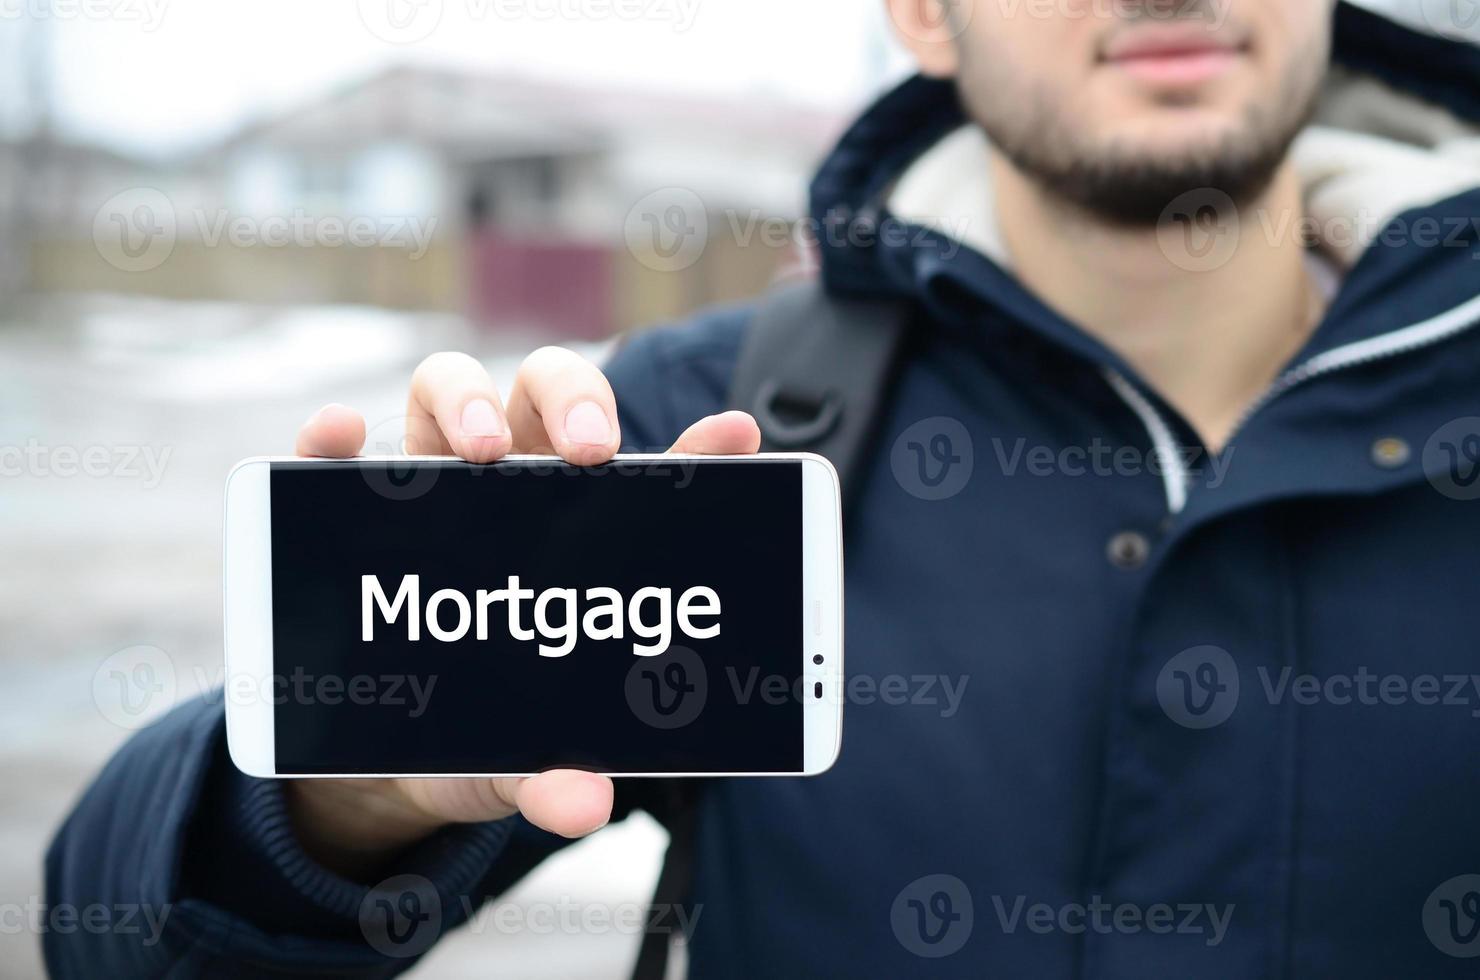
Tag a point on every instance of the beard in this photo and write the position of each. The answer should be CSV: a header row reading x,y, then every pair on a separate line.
x,y
1111,179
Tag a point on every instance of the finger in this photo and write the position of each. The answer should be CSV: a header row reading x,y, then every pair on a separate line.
x,y
562,403
726,434
567,802
454,408
334,432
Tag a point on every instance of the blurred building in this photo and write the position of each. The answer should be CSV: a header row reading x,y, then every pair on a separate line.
x,y
525,203
48,189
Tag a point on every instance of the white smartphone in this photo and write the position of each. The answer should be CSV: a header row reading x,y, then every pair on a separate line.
x,y
654,616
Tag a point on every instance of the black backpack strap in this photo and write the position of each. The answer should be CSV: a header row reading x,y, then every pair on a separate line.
x,y
813,370
674,881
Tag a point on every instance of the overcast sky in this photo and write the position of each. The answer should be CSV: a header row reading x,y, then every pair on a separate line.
x,y
154,76
157,75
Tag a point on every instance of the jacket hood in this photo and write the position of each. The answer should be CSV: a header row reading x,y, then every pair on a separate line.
x,y
1396,134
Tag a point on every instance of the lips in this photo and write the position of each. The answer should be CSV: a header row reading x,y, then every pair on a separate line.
x,y
1172,54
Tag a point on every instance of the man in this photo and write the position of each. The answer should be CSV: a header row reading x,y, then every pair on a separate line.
x,y
1202,577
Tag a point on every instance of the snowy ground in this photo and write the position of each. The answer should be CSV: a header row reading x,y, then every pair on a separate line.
x,y
157,400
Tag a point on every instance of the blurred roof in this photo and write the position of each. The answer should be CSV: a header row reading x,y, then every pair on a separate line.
x,y
69,153
477,115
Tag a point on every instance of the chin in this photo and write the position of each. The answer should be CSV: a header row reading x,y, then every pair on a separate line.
x,y
1175,132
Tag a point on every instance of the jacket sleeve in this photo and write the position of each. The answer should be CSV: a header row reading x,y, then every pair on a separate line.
x,y
198,871
177,864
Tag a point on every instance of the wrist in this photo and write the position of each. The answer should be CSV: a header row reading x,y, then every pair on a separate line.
x,y
353,826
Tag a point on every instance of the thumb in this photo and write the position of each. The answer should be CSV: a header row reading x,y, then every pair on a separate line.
x,y
726,434
568,802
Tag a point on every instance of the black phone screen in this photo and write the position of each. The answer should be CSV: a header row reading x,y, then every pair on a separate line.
x,y
445,617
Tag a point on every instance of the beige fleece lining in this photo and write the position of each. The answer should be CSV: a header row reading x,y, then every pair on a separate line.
x,y
1372,153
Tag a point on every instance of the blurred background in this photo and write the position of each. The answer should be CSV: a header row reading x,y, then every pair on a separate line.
x,y
215,217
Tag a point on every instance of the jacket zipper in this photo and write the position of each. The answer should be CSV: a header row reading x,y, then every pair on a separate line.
x,y
1174,475
1404,340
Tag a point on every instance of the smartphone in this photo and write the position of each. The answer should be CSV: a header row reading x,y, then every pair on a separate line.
x,y
659,615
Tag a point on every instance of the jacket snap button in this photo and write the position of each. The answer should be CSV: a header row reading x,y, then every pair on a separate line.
x,y
1128,549
1390,452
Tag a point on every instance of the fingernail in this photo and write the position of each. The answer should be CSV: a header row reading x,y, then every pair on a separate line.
x,y
320,413
586,424
481,420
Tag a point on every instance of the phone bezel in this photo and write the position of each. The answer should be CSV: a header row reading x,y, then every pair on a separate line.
x,y
247,599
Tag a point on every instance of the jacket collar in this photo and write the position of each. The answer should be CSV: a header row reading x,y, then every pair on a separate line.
x,y
1412,288
1396,100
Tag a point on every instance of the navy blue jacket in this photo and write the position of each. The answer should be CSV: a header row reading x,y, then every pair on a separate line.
x,y
1214,718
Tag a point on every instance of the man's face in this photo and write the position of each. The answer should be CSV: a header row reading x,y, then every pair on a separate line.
x,y
1121,105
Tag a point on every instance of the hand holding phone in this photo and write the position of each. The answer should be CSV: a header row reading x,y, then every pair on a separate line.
x,y
560,404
